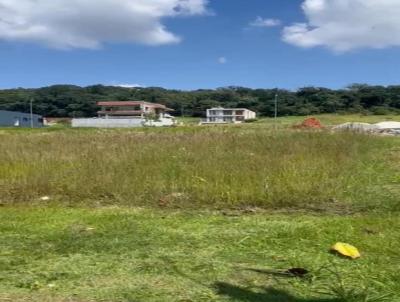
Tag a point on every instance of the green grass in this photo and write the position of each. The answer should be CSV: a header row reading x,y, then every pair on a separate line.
x,y
53,254
185,167
332,119
198,213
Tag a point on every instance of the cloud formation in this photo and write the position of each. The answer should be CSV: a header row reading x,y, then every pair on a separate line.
x,y
344,25
127,85
91,23
261,22
222,60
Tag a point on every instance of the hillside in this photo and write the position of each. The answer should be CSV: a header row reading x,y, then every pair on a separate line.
x,y
75,101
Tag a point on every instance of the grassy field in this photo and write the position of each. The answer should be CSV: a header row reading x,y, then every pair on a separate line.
x,y
240,166
326,119
109,254
199,214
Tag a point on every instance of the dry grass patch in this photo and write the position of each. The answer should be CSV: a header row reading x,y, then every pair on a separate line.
x,y
221,167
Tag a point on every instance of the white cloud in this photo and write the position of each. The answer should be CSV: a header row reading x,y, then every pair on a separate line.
x,y
222,60
126,85
91,23
344,25
261,22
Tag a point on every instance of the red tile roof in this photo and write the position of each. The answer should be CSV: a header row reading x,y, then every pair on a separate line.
x,y
116,103
126,112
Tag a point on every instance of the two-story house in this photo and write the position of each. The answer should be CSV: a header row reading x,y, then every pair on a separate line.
x,y
228,115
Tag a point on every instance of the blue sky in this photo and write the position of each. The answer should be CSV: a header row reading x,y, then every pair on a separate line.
x,y
213,46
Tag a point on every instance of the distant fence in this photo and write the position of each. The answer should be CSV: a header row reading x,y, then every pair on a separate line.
x,y
120,122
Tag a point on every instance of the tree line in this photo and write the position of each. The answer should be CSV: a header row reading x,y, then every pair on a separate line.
x,y
75,101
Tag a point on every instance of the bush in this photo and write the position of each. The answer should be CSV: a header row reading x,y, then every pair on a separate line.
x,y
251,120
381,111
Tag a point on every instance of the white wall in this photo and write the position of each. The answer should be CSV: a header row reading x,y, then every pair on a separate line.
x,y
250,114
163,122
106,123
120,123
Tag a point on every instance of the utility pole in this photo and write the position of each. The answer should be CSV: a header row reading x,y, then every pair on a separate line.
x,y
31,110
276,110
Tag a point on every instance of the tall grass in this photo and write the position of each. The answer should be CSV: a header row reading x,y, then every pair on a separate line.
x,y
225,167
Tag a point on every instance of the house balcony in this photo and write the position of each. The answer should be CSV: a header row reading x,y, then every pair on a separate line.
x,y
225,115
121,112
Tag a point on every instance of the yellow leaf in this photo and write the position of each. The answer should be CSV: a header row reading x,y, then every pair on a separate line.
x,y
346,250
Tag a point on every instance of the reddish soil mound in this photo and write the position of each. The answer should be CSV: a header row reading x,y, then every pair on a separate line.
x,y
310,123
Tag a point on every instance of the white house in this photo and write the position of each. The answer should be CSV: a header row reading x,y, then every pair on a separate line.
x,y
228,115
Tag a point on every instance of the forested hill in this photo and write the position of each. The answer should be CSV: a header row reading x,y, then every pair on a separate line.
x,y
75,101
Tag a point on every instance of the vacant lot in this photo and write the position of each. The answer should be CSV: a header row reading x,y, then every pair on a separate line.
x,y
221,167
198,214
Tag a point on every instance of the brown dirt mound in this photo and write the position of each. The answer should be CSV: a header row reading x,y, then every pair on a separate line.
x,y
309,123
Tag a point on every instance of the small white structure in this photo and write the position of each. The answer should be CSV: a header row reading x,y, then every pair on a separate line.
x,y
127,115
228,115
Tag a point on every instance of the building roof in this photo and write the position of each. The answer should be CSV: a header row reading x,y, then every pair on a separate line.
x,y
122,112
221,108
19,113
132,103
